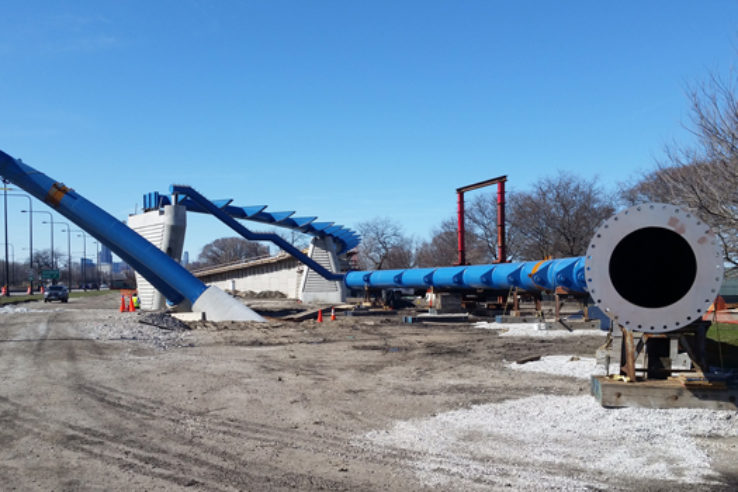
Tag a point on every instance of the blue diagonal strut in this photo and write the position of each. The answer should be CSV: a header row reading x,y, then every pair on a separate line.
x,y
216,211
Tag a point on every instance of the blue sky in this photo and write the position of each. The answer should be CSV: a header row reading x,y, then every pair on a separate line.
x,y
345,110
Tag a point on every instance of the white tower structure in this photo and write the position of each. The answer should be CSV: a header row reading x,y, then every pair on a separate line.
x,y
164,228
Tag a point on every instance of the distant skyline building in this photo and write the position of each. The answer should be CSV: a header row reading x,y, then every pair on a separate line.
x,y
120,266
186,258
106,256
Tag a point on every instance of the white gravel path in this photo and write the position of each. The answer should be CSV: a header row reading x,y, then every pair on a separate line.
x,y
537,330
568,442
12,309
564,365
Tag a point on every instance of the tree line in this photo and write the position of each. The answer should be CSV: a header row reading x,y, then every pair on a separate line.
x,y
554,219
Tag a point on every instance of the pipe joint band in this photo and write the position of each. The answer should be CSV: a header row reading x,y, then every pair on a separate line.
x,y
56,193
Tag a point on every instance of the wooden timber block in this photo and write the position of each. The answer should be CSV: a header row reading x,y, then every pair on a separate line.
x,y
668,393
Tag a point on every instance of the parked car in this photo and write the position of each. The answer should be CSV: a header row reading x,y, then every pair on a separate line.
x,y
56,293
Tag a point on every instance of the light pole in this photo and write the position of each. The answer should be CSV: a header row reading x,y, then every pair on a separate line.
x,y
84,257
51,228
97,264
5,209
69,251
12,261
30,233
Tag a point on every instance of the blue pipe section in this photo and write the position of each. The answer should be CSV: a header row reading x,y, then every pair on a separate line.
x,y
165,274
532,276
224,217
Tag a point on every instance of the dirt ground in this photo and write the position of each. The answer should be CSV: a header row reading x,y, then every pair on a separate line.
x,y
91,400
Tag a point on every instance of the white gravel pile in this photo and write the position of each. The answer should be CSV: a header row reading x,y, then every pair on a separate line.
x,y
12,309
537,330
564,365
568,442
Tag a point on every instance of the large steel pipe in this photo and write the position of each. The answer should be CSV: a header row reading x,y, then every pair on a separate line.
x,y
545,275
653,267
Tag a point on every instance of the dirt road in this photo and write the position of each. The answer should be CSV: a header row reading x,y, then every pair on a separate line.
x,y
91,399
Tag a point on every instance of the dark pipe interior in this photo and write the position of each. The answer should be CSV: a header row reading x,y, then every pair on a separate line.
x,y
653,267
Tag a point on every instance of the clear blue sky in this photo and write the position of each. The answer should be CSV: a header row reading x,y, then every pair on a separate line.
x,y
345,110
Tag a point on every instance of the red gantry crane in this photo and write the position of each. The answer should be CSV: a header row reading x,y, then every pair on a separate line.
x,y
501,253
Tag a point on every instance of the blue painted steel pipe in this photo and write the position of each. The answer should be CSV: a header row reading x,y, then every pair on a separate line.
x,y
567,273
165,274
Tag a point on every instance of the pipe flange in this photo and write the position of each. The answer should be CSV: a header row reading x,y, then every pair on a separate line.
x,y
654,267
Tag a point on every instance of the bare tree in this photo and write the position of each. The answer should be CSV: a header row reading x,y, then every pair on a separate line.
x,y
481,220
383,245
230,249
558,217
42,259
295,238
481,215
705,177
442,249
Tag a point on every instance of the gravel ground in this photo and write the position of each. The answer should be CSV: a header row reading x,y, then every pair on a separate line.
x,y
92,399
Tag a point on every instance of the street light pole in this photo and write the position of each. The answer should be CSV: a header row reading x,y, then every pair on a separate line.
x,y
69,251
97,264
51,229
12,255
30,234
84,257
5,209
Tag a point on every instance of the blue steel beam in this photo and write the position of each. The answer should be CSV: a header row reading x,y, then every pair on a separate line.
x,y
254,236
318,226
165,274
302,221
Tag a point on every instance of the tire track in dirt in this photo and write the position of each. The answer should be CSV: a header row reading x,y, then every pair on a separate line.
x,y
183,467
249,431
360,452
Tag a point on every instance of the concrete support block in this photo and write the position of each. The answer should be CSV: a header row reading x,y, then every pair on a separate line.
x,y
198,316
219,306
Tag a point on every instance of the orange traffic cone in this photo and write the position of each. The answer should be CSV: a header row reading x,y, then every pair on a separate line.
x,y
131,307
28,290
320,316
333,314
122,304
41,289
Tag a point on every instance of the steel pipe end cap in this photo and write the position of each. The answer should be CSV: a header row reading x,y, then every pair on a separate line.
x,y
654,267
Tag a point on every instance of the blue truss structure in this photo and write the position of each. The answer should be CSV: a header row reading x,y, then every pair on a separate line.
x,y
344,238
